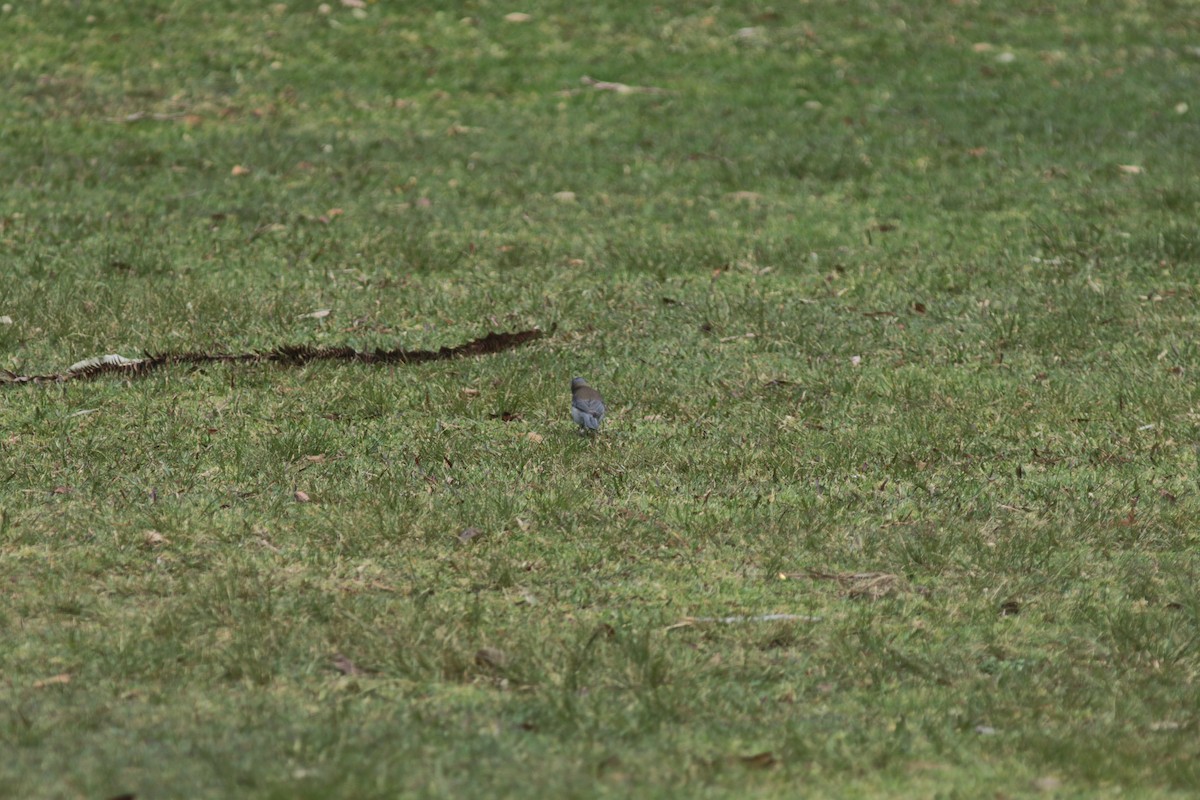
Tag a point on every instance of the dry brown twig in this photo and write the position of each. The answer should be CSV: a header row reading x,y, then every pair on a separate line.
x,y
619,88
290,355
869,585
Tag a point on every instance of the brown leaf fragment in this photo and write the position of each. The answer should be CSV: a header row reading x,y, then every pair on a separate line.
x,y
301,496
869,585
619,88
741,619
603,631
490,658
1047,783
744,197
874,587
1010,608
764,760
139,116
608,764
468,534
345,666
154,539
918,307
57,680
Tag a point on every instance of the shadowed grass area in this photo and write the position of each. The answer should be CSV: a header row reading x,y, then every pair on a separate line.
x,y
892,308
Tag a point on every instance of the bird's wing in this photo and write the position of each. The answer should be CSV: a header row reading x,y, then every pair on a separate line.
x,y
589,406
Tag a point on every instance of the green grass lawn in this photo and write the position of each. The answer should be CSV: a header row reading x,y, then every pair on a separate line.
x,y
894,307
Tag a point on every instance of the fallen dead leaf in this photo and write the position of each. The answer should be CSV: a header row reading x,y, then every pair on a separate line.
x,y
346,666
764,760
517,16
354,3
301,497
869,585
1131,169
536,438
603,631
320,313
619,88
6,320
154,539
469,533
490,657
564,197
57,680
691,622
238,171
1165,725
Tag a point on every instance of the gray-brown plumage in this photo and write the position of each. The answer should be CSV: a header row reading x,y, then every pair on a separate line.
x,y
587,407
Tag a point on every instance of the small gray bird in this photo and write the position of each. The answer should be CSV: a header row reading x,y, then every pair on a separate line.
x,y
587,407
